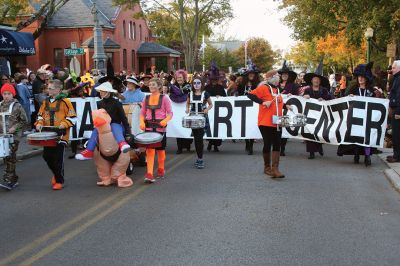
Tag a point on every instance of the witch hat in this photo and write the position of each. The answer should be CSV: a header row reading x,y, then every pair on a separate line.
x,y
251,67
286,69
110,75
213,73
364,70
147,74
318,73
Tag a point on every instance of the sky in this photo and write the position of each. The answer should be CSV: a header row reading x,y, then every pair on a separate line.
x,y
258,18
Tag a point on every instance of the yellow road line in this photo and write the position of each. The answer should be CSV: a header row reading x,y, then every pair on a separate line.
x,y
21,251
51,247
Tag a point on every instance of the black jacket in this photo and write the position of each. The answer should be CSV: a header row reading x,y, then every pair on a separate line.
x,y
36,85
116,112
215,90
395,94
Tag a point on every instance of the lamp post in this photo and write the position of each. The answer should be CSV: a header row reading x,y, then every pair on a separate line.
x,y
369,33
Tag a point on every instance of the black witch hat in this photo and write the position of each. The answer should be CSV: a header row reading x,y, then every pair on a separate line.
x,y
110,75
213,73
286,69
318,73
364,70
147,74
251,68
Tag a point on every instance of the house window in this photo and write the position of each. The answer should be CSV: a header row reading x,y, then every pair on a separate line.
x,y
58,57
124,59
133,59
130,30
134,31
124,28
140,32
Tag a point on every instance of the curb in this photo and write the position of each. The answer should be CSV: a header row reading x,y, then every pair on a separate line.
x,y
393,178
391,174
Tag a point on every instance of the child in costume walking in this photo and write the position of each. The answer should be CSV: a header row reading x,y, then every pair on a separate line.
x,y
155,114
56,111
197,103
15,124
119,123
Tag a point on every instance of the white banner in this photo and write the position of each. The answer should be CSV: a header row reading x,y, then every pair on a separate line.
x,y
348,120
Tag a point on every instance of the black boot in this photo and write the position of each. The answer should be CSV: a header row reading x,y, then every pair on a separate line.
x,y
356,159
209,146
216,148
247,145
367,160
250,148
312,156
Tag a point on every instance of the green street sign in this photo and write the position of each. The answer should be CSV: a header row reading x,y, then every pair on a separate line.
x,y
73,52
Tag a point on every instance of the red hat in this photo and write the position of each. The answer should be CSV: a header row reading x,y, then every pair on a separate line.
x,y
8,87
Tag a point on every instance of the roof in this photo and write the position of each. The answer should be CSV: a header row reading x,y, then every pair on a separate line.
x,y
155,48
77,13
108,43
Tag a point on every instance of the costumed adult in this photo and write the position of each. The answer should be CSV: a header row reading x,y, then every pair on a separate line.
x,y
215,90
145,79
197,103
287,86
119,123
267,95
112,79
250,81
155,114
317,89
362,87
394,103
178,93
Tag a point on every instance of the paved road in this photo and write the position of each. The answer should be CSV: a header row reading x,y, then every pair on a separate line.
x,y
326,212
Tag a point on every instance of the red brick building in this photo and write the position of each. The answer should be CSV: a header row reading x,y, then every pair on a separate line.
x,y
125,37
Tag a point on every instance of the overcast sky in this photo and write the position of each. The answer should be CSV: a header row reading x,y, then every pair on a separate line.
x,y
258,18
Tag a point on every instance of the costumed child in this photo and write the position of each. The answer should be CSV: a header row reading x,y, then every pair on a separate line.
x,y
56,111
155,114
15,123
119,123
197,103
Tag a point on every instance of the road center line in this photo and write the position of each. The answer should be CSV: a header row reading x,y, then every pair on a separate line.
x,y
68,236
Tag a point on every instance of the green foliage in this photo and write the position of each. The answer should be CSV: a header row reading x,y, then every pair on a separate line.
x,y
224,59
260,52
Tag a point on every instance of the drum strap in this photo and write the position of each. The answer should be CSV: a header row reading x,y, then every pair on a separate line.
x,y
197,104
153,123
52,110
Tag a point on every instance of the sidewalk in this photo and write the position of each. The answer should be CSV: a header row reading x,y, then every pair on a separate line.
x,y
393,173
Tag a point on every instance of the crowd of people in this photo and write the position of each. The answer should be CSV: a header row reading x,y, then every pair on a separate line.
x,y
40,99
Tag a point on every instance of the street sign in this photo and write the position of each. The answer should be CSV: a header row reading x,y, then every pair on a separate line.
x,y
73,45
73,52
391,50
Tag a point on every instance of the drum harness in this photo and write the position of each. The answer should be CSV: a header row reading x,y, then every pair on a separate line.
x,y
275,118
153,123
52,111
198,103
4,114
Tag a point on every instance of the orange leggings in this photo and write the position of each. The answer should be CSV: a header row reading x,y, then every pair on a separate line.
x,y
151,153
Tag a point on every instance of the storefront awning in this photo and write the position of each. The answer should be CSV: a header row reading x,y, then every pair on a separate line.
x,y
16,43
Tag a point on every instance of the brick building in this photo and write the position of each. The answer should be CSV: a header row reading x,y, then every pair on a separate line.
x,y
125,37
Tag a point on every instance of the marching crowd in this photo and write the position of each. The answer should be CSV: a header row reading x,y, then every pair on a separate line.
x,y
35,101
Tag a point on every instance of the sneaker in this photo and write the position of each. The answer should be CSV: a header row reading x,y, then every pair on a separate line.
x,y
160,173
196,163
200,164
124,147
53,180
58,186
149,178
13,185
8,185
84,155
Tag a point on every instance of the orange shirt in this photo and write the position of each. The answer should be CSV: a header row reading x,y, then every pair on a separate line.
x,y
263,92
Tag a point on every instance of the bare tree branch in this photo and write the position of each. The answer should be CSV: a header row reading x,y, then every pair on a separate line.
x,y
34,17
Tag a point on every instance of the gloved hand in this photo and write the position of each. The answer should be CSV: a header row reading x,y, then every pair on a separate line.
x,y
163,123
142,125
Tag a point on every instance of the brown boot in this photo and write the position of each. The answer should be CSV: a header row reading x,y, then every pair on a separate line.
x,y
267,164
275,165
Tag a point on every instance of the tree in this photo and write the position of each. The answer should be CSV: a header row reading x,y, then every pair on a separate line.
x,y
191,16
10,10
260,52
222,58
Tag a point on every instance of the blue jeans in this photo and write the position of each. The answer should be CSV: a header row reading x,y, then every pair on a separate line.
x,y
117,130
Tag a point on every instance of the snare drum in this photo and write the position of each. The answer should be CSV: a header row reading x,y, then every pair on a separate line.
x,y
43,139
297,120
149,140
5,141
194,121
